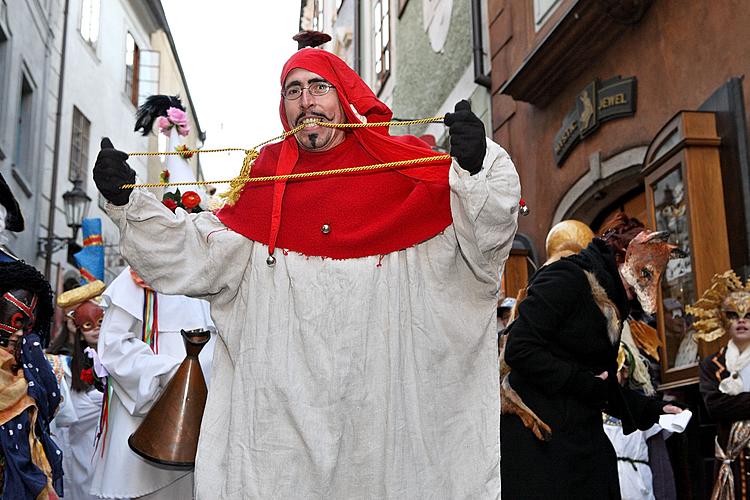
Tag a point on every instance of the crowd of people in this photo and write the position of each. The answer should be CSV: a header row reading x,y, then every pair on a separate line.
x,y
354,324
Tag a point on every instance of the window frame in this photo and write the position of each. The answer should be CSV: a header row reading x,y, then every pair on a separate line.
x,y
382,53
541,13
80,140
131,84
87,36
24,129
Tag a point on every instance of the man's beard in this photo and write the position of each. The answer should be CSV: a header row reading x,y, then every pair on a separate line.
x,y
313,140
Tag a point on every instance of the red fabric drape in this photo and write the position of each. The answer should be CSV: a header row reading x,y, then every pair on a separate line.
x,y
368,213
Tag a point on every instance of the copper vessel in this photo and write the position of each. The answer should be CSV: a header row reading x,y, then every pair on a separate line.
x,y
168,435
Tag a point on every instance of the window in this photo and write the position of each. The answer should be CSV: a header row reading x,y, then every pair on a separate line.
x,y
317,19
22,143
148,74
382,47
79,147
132,62
89,26
542,11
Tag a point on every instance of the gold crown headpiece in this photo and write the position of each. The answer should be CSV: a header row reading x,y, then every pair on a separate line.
x,y
707,310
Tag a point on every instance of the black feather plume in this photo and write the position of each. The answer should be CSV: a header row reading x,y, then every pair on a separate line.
x,y
154,107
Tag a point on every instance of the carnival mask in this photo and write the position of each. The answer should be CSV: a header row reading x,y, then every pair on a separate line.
x,y
88,319
17,316
734,309
88,316
645,260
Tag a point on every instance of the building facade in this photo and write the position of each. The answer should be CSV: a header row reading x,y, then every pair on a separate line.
x,y
635,106
30,46
116,53
417,55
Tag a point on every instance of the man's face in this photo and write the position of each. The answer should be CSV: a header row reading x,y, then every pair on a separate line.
x,y
323,107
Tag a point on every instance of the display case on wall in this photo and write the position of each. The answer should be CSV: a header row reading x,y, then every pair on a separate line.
x,y
684,196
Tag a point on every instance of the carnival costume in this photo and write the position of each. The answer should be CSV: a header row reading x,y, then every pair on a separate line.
x,y
357,313
725,382
30,461
567,332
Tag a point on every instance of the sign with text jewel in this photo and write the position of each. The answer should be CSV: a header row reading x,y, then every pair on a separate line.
x,y
597,103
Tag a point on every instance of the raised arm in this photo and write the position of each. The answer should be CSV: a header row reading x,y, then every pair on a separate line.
x,y
175,253
485,194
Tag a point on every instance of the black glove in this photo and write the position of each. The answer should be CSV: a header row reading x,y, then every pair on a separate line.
x,y
467,137
112,171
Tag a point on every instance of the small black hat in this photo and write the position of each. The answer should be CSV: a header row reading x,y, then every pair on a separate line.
x,y
310,38
14,219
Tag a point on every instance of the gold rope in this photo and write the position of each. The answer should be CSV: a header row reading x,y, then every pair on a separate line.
x,y
238,183
300,175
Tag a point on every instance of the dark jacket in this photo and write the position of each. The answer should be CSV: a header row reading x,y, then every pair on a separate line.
x,y
559,342
726,410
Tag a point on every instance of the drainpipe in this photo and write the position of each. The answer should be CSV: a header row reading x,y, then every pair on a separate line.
x,y
357,33
476,27
56,149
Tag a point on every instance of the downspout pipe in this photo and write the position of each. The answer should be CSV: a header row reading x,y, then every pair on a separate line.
x,y
480,78
357,37
56,150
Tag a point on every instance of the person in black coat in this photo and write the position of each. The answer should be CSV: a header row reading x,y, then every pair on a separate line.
x,y
562,351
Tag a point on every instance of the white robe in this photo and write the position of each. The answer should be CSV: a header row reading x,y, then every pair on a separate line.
x,y
76,422
138,376
374,377
636,480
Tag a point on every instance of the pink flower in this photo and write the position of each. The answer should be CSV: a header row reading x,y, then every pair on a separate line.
x,y
164,125
179,118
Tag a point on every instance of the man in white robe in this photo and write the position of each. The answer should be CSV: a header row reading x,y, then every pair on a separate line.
x,y
358,376
137,376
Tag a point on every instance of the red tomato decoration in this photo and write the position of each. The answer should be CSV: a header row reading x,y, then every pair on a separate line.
x,y
190,200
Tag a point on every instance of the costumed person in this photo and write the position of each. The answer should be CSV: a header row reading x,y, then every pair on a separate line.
x,y
141,347
724,309
633,468
567,238
11,219
357,313
30,461
77,421
78,417
562,352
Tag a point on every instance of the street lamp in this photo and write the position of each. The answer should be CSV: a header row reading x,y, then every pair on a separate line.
x,y
76,205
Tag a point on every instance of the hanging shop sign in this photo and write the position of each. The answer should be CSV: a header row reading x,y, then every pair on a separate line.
x,y
597,103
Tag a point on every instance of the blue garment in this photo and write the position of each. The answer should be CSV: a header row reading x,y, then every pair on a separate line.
x,y
5,257
22,478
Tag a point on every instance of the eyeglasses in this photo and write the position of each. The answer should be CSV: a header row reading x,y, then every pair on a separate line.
x,y
317,89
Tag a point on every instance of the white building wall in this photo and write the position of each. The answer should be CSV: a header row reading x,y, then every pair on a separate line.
x,y
33,33
95,84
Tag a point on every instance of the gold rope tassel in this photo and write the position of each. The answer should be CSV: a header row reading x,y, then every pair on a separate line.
x,y
236,185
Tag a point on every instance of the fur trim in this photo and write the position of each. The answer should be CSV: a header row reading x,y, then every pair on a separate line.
x,y
607,307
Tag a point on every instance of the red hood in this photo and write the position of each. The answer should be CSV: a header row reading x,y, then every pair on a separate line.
x,y
421,191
